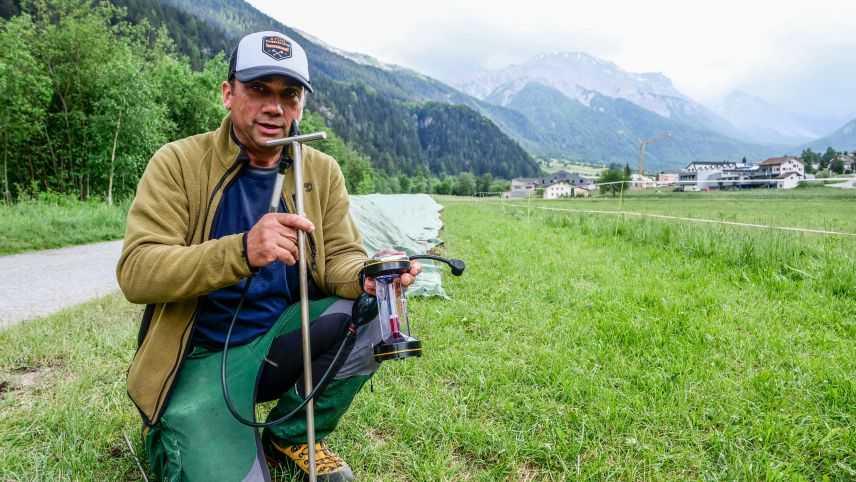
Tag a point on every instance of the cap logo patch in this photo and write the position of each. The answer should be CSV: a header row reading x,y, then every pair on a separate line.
x,y
276,48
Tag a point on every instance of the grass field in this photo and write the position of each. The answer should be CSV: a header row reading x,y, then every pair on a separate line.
x,y
813,208
576,346
556,165
54,221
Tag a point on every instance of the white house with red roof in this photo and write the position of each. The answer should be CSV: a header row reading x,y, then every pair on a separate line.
x,y
785,171
776,166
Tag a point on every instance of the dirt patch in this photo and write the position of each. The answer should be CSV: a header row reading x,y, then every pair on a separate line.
x,y
528,472
115,452
30,379
24,379
379,436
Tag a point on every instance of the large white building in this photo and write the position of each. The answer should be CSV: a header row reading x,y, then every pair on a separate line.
x,y
781,172
711,174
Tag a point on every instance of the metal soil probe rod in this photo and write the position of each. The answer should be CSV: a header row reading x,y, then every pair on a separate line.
x,y
297,154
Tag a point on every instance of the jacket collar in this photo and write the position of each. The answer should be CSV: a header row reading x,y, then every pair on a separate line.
x,y
226,149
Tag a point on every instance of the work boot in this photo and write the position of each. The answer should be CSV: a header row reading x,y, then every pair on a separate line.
x,y
329,467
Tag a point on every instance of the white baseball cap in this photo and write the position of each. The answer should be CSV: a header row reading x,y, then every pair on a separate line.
x,y
269,53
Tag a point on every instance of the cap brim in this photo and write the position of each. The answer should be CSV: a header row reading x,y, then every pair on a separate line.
x,y
254,73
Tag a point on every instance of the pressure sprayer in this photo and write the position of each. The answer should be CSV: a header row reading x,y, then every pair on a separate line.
x,y
389,307
392,303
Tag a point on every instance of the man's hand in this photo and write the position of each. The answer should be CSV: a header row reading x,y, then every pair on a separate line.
x,y
407,278
274,237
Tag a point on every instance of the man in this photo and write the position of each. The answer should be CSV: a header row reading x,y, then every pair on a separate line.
x,y
197,229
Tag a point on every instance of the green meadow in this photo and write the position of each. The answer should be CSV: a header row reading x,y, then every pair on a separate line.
x,y
576,346
57,221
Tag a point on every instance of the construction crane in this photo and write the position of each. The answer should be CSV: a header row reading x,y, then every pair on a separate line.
x,y
642,151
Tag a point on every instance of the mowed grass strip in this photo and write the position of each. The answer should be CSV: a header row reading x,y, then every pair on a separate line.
x,y
572,348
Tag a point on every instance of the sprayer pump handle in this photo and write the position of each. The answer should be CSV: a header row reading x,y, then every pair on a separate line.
x,y
457,265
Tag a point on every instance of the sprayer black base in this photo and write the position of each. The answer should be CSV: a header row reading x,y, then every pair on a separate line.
x,y
397,348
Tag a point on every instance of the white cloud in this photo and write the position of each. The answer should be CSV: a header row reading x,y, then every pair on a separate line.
x,y
778,50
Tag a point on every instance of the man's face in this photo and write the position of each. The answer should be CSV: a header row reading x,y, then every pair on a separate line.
x,y
262,110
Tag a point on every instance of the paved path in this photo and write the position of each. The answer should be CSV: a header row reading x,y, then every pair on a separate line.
x,y
41,283
851,184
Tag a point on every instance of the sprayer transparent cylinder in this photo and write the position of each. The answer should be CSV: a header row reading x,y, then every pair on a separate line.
x,y
392,306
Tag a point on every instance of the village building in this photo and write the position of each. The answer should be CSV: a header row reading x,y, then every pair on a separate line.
x,y
520,194
667,178
706,175
558,189
641,182
524,184
567,185
571,178
562,189
788,180
775,166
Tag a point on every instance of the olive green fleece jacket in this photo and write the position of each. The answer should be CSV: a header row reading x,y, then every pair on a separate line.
x,y
168,260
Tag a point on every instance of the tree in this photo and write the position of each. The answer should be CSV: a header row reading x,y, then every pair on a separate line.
x,y
465,184
26,93
627,171
404,182
446,186
499,185
193,99
827,157
419,184
81,78
611,181
810,158
483,183
99,94
393,184
837,166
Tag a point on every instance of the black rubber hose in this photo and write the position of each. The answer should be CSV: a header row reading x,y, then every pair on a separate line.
x,y
322,384
456,265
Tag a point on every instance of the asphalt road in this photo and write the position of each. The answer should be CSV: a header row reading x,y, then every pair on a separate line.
x,y
38,284
851,184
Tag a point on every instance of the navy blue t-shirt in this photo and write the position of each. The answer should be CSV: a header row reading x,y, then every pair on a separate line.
x,y
244,202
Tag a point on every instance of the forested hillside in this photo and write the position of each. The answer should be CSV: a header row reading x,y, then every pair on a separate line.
x,y
375,110
89,97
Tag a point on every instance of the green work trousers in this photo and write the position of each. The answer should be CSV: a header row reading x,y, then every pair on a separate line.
x,y
197,438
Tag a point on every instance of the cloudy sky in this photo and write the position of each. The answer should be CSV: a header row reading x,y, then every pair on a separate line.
x,y
800,55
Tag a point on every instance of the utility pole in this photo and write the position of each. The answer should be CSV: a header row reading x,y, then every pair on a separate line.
x,y
642,151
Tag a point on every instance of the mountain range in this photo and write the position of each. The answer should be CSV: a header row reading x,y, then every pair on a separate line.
x,y
845,137
767,123
592,109
579,76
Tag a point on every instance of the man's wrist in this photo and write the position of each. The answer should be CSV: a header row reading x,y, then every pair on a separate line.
x,y
253,270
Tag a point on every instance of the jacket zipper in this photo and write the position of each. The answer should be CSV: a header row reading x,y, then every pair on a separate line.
x,y
234,166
